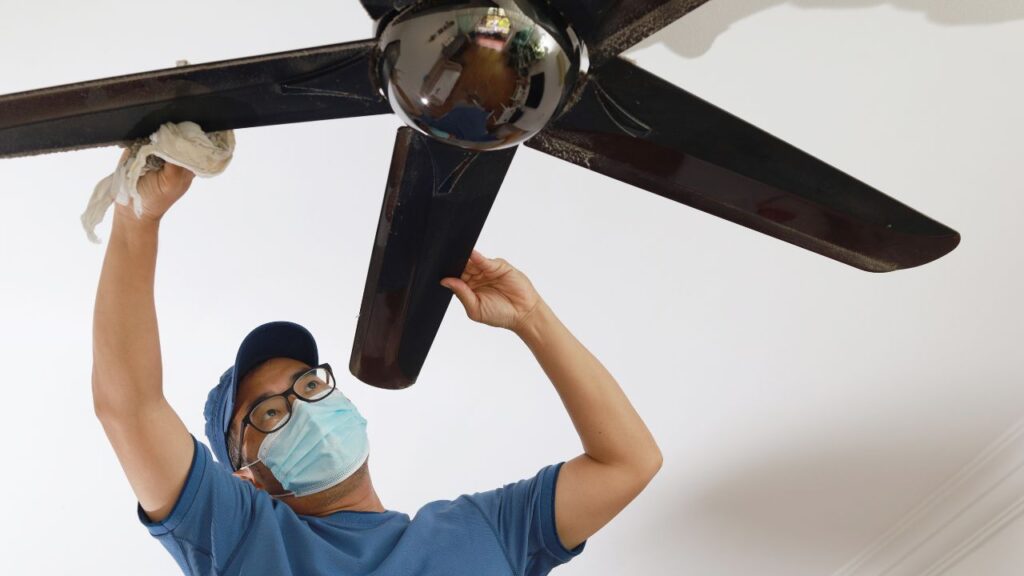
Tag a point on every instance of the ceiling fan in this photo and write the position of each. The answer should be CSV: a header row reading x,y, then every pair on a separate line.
x,y
473,79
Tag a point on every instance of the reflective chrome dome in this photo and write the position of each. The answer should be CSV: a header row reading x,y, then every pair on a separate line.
x,y
479,77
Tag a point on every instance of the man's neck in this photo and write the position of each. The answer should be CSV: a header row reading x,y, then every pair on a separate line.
x,y
362,498
358,496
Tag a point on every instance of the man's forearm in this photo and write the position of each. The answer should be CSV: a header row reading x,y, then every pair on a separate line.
x,y
611,430
127,370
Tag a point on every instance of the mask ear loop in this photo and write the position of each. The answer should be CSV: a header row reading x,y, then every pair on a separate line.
x,y
259,461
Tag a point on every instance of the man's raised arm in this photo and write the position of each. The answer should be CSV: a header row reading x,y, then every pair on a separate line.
x,y
150,440
620,455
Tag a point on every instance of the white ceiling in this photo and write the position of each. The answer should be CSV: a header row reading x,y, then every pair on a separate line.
x,y
804,408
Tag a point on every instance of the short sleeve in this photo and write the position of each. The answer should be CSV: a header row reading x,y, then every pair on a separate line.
x,y
522,515
211,517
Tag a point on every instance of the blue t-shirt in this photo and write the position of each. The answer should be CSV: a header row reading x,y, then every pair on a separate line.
x,y
223,525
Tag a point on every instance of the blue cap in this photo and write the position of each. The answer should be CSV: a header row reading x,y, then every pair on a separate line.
x,y
271,340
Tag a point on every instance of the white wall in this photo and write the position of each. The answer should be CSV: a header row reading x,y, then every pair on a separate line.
x,y
804,408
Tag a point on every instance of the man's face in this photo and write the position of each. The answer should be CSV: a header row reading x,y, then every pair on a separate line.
x,y
275,376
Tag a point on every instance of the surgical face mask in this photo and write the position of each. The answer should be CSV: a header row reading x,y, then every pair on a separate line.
x,y
322,444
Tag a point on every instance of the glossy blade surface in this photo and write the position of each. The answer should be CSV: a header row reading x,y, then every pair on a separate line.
x,y
378,8
297,86
437,199
637,128
610,27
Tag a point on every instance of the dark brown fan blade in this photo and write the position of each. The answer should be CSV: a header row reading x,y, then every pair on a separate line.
x,y
610,27
637,128
437,199
378,8
297,86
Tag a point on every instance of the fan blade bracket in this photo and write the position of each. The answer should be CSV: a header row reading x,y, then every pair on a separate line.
x,y
610,27
336,80
618,114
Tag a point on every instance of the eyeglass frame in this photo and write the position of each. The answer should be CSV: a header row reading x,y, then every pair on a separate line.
x,y
289,392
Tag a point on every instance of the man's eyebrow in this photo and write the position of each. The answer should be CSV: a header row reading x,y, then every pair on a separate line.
x,y
266,395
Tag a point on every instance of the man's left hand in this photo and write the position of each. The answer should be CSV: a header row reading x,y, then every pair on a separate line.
x,y
493,292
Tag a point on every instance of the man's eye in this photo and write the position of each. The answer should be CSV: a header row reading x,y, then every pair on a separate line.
x,y
271,413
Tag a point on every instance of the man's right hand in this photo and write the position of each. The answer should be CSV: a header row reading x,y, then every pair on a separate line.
x,y
159,189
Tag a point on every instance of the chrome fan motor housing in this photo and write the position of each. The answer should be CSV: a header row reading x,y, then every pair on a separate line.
x,y
479,75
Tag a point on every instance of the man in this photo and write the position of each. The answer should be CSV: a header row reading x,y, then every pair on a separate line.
x,y
290,492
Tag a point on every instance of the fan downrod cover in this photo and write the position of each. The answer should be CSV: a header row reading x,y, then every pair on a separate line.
x,y
481,76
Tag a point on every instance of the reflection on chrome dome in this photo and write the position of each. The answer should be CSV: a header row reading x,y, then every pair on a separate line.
x,y
480,77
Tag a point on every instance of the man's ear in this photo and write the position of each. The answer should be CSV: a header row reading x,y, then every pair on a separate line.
x,y
246,474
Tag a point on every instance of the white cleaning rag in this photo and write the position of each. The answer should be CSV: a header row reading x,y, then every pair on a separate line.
x,y
184,144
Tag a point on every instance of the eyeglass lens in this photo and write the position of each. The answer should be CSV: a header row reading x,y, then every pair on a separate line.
x,y
274,412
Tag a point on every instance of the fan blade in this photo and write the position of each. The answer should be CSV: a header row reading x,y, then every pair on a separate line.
x,y
378,8
610,27
638,128
297,86
436,201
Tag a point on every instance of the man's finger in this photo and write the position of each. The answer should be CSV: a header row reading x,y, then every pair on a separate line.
x,y
484,263
178,171
465,295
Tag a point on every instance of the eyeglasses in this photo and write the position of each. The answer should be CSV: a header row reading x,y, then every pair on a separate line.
x,y
274,412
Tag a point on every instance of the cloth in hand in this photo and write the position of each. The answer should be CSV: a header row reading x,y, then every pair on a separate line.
x,y
184,144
